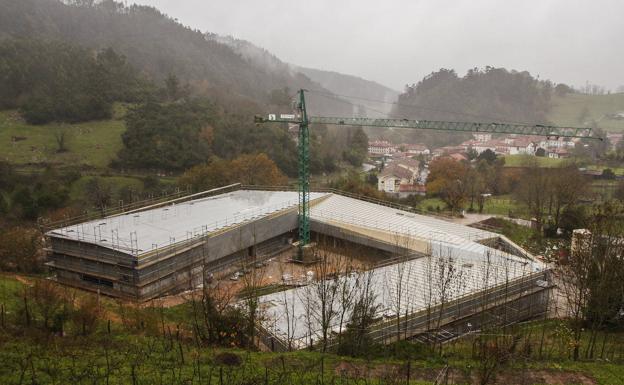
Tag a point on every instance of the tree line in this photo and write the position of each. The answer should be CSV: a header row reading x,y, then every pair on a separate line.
x,y
485,95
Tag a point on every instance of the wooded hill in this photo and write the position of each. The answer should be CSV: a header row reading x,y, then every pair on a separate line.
x,y
157,46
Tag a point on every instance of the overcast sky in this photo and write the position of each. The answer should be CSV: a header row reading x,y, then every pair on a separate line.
x,y
396,42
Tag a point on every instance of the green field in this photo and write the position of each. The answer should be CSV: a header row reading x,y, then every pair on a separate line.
x,y
497,205
90,144
77,190
568,110
523,160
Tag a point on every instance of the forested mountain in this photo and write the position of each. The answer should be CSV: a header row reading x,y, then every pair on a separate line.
x,y
157,46
484,95
490,94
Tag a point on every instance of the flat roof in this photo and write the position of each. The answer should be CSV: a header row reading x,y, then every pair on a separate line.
x,y
144,231
405,288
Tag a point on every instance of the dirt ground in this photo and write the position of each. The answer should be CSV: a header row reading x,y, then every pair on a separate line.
x,y
273,272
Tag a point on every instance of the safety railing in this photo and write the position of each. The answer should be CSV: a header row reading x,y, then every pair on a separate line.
x,y
178,196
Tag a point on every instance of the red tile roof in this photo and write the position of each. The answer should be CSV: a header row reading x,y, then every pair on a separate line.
x,y
395,170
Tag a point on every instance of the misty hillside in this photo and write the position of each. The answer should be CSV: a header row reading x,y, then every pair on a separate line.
x,y
156,45
483,95
336,83
350,85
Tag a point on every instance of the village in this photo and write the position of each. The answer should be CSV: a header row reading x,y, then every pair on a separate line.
x,y
404,167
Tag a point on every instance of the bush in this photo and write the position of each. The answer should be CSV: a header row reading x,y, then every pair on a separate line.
x,y
228,359
19,250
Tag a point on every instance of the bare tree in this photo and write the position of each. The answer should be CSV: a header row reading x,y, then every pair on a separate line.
x,y
325,292
346,291
399,279
356,339
533,189
253,278
446,276
566,186
61,136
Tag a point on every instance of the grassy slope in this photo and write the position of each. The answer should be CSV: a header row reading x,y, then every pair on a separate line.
x,y
92,144
567,110
77,190
156,360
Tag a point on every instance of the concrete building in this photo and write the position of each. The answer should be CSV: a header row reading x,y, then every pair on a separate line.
x,y
157,250
168,247
381,147
414,149
479,261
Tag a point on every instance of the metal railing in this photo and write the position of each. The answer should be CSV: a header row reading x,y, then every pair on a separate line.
x,y
178,196
347,194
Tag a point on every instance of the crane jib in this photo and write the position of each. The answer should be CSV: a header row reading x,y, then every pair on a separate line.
x,y
494,128
301,118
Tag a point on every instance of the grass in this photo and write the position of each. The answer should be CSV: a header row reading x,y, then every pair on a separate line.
x,y
432,205
498,205
9,290
78,188
523,160
617,170
503,205
146,355
567,110
90,144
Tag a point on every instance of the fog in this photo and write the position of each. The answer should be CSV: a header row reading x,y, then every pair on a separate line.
x,y
400,41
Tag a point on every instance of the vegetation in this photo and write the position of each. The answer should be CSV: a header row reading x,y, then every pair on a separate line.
x,y
88,145
521,161
167,137
545,190
491,94
24,197
578,109
253,169
457,183
57,82
213,68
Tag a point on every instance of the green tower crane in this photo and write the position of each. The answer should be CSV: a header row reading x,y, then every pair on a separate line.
x,y
302,119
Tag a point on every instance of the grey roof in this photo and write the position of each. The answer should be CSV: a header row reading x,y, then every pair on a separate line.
x,y
406,287
140,232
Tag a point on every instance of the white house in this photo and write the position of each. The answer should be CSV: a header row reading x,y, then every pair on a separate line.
x,y
392,177
482,136
381,147
414,149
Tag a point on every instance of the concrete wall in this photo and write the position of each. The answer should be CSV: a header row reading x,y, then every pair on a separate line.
x,y
341,232
117,274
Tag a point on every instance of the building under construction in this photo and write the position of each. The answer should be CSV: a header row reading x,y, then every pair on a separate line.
x,y
167,247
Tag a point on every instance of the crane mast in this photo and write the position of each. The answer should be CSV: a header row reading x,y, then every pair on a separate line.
x,y
302,119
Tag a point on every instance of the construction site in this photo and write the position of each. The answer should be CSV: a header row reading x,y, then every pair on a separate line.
x,y
421,268
319,253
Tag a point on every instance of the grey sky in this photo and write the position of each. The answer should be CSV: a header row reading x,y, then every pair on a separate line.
x,y
396,42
